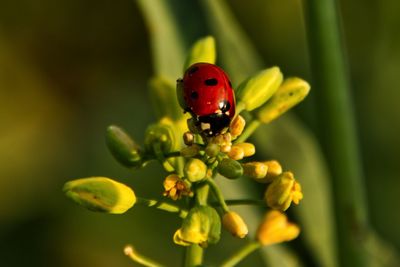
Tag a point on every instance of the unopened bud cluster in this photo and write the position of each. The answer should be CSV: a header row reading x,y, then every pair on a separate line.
x,y
192,160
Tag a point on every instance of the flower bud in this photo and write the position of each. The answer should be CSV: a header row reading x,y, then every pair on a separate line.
x,y
256,90
237,126
122,147
255,170
230,169
282,191
225,148
274,170
188,138
195,170
275,228
163,98
236,153
190,151
212,150
248,148
202,51
201,226
235,224
100,194
159,134
289,94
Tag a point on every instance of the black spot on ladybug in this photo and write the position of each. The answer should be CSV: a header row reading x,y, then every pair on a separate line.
x,y
194,95
230,84
211,82
193,70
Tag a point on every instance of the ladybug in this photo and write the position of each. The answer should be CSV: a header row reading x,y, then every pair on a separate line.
x,y
206,93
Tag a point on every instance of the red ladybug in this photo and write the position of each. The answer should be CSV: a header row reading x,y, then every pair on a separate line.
x,y
208,96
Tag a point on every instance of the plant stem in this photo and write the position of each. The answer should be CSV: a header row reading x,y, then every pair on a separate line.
x,y
218,194
241,254
237,202
161,205
248,131
194,253
338,133
136,257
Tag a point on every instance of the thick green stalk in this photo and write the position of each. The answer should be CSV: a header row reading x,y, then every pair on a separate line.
x,y
194,253
338,133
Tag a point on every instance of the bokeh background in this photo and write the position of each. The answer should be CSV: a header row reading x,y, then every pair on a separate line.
x,y
70,68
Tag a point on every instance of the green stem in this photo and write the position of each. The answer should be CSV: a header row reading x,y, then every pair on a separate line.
x,y
248,131
238,202
338,131
161,205
194,253
218,194
242,253
136,257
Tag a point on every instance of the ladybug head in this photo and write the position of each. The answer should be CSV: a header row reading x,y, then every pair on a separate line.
x,y
214,124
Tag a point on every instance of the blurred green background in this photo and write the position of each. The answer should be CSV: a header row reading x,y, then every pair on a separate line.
x,y
68,69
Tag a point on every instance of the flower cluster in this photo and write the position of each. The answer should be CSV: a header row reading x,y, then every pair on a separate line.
x,y
193,160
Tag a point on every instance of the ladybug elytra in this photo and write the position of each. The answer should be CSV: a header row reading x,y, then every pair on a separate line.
x,y
207,94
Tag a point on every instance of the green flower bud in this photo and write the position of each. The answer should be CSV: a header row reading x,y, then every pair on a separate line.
x,y
202,51
163,98
195,170
159,134
122,147
212,150
256,90
100,194
230,169
289,94
201,226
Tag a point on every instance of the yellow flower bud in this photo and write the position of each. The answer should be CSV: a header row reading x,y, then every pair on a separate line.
x,y
225,148
255,170
237,126
282,191
195,170
236,153
188,138
100,194
256,90
248,148
275,228
190,151
201,226
289,94
202,51
235,224
274,170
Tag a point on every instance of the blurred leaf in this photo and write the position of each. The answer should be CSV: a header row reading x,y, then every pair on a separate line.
x,y
166,42
236,52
